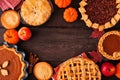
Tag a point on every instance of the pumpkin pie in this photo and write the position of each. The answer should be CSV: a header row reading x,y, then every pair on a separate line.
x,y
12,65
109,45
100,14
10,19
35,12
78,69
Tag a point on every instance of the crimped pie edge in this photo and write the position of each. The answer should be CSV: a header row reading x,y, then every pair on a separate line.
x,y
89,23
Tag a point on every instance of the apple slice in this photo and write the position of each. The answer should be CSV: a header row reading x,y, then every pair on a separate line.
x,y
24,33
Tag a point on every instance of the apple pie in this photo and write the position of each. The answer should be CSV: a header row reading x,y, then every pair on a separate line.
x,y
35,12
100,14
79,69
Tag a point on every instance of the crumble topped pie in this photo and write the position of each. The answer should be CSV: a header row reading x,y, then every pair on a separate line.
x,y
79,69
100,14
35,12
109,45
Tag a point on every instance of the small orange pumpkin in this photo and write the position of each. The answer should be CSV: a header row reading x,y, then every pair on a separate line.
x,y
70,14
63,3
117,74
11,36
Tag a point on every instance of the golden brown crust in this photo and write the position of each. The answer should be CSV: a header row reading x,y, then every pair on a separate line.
x,y
43,71
89,23
117,1
21,59
79,68
115,55
10,19
36,12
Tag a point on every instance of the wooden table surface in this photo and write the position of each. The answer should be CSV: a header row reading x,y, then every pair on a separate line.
x,y
57,40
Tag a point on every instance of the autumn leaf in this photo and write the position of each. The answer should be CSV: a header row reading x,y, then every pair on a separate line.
x,y
83,54
96,57
97,34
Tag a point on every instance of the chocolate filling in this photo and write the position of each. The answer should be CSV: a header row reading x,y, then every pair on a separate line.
x,y
111,44
101,11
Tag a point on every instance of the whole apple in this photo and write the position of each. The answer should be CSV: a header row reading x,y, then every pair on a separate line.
x,y
108,69
24,33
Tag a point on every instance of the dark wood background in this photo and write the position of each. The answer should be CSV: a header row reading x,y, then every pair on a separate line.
x,y
57,40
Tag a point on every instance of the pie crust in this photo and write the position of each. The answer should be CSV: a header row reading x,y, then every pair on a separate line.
x,y
43,71
35,12
10,19
115,55
79,69
101,27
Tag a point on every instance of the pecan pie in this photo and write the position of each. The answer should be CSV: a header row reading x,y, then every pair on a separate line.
x,y
109,45
100,14
78,69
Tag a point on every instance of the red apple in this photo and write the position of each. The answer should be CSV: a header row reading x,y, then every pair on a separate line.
x,y
108,69
24,33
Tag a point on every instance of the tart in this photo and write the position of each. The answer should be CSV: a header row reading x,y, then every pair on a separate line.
x,y
109,45
12,65
78,69
35,12
100,14
43,71
10,19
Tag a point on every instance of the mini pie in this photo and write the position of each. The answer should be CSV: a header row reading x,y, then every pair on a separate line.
x,y
12,66
35,12
10,19
100,14
43,71
78,69
109,45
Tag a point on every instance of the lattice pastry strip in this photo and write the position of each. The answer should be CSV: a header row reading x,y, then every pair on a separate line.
x,y
79,69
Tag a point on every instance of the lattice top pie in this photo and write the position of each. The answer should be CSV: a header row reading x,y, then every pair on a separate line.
x,y
78,69
100,14
35,12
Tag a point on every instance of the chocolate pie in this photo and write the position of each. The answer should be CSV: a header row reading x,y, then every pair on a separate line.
x,y
12,66
35,12
109,45
100,14
78,69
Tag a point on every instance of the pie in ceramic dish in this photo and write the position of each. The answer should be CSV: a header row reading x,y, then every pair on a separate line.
x,y
78,69
100,14
12,63
109,45
35,12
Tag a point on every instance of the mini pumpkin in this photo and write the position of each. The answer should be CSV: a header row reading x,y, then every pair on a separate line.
x,y
70,14
11,36
63,3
